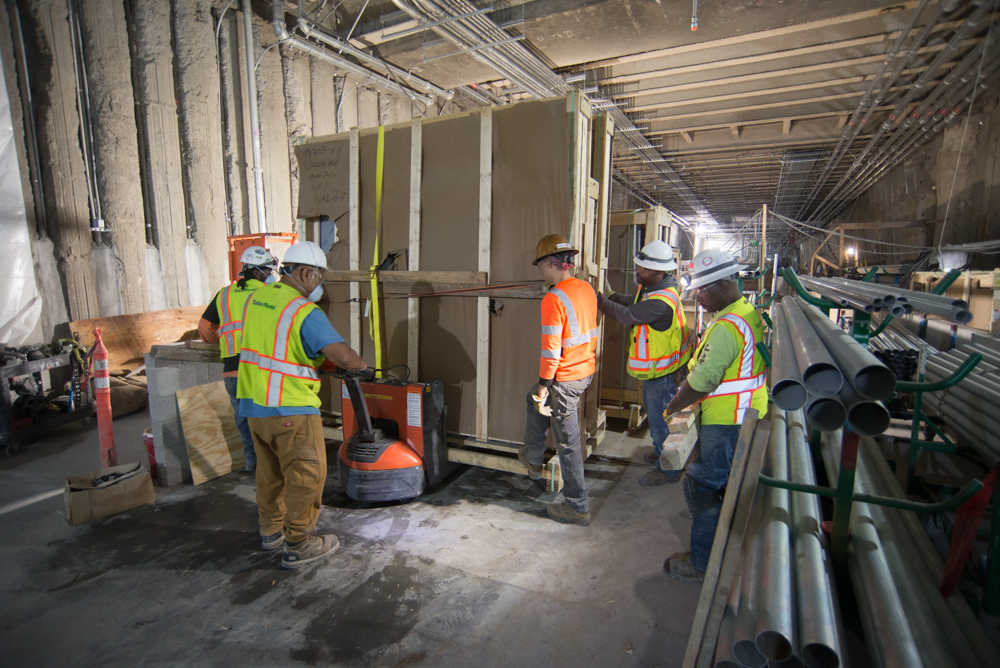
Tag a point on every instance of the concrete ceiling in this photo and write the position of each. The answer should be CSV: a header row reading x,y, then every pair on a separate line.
x,y
746,110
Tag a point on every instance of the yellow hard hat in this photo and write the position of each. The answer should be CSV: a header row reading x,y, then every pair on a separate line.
x,y
552,243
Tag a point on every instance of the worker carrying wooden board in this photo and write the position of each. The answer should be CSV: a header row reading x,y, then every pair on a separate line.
x,y
727,377
660,343
222,323
566,369
286,338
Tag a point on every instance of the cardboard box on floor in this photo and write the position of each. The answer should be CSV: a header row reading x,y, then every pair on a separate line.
x,y
86,501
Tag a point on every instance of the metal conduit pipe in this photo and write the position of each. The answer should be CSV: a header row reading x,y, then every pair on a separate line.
x,y
825,413
864,417
954,310
818,618
989,354
899,293
745,632
987,369
891,641
787,390
978,437
775,626
320,53
973,408
839,296
926,633
979,386
820,374
870,378
724,657
972,635
346,47
251,77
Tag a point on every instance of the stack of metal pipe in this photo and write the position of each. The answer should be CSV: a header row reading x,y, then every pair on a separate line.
x,y
896,573
972,407
897,301
819,367
783,609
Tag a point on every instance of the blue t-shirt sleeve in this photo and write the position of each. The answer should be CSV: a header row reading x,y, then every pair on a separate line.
x,y
317,333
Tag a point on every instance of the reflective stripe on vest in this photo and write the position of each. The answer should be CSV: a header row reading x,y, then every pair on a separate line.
x,y
674,344
575,337
230,329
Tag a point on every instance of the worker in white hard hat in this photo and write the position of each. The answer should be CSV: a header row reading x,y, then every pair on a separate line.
x,y
726,378
222,323
659,344
286,338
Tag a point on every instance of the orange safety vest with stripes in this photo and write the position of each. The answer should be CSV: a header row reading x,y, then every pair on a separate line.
x,y
653,353
744,383
230,302
274,367
569,331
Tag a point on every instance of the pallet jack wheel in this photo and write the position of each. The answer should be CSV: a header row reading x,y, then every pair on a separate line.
x,y
89,421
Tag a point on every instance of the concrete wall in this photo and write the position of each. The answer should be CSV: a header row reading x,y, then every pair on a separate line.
x,y
945,180
170,137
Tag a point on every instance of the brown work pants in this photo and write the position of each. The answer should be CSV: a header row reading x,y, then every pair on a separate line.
x,y
291,472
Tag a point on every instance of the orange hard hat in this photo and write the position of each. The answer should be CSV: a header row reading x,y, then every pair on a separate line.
x,y
552,243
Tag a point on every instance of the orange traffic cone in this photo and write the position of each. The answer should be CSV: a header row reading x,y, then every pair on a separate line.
x,y
102,392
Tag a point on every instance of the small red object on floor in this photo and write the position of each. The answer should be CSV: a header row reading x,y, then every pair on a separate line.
x,y
102,392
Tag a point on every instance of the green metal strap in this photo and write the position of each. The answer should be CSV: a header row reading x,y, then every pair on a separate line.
x,y
948,505
967,366
881,328
870,275
762,349
792,279
767,319
766,304
946,282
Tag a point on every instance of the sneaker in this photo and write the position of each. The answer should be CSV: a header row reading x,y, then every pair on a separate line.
x,y
679,566
534,472
272,542
650,458
560,512
656,477
309,550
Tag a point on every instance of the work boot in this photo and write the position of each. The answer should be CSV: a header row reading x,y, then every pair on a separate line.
x,y
560,512
650,458
678,566
534,472
309,550
272,542
656,477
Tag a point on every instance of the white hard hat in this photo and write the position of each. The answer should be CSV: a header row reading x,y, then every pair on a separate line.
x,y
305,252
258,256
712,265
657,255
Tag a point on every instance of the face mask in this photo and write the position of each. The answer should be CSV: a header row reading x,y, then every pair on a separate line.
x,y
270,279
315,295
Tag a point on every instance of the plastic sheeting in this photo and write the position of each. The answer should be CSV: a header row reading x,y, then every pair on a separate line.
x,y
20,304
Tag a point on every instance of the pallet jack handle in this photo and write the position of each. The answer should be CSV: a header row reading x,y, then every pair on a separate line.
x,y
365,432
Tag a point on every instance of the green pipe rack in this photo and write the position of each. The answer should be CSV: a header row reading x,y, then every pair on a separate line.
x,y
843,493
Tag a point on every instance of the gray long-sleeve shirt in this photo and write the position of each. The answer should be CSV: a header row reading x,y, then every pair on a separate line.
x,y
653,312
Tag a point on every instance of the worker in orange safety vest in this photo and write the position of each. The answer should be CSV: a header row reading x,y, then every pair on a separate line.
x,y
567,365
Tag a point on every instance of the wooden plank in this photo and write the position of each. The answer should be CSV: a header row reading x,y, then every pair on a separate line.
x,y
741,456
682,422
730,547
473,277
485,245
677,448
354,244
129,337
213,443
551,474
624,396
470,442
527,291
413,249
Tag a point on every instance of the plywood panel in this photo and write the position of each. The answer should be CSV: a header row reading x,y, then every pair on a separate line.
x,y
513,365
532,193
448,354
213,442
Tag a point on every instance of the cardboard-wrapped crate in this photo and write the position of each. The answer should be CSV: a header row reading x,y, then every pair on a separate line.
x,y
88,497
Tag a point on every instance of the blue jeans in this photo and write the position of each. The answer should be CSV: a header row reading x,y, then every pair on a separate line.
x,y
564,399
241,424
705,484
656,394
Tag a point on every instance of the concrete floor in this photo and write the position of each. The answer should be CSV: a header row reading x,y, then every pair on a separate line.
x,y
470,574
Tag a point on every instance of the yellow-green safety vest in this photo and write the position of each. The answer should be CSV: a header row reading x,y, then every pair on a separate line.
x,y
230,303
744,383
274,367
653,353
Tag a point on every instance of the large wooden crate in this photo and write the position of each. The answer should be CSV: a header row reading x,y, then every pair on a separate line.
x,y
466,197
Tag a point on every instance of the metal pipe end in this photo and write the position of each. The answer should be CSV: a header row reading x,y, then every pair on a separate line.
x,y
746,653
826,414
868,418
876,382
823,380
774,645
962,317
789,395
819,655
897,310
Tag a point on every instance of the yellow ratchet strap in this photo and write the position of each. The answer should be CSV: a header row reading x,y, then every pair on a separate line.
x,y
374,324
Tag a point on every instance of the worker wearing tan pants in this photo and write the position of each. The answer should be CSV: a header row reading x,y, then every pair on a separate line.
x,y
291,471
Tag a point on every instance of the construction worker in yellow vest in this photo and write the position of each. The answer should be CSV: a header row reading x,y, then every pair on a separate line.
x,y
727,378
286,338
222,323
659,344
